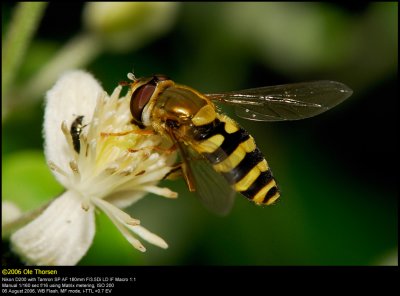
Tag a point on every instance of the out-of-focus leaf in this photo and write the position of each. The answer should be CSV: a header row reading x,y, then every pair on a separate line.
x,y
27,181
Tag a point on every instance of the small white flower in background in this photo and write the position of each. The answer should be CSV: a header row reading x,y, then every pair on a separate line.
x,y
124,26
108,173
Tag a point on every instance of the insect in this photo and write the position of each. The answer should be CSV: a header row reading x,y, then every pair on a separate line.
x,y
75,131
218,156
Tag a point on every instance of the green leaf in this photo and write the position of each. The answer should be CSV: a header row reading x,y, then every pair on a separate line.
x,y
27,181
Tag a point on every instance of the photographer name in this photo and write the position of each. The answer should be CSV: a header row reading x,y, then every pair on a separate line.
x,y
28,271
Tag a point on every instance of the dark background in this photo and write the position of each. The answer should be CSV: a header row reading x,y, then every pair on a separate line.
x,y
337,171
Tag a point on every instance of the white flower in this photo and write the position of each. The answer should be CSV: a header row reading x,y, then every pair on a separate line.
x,y
108,172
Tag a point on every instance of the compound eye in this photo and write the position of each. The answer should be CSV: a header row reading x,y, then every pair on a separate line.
x,y
139,99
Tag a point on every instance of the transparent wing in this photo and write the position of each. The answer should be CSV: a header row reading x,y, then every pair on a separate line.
x,y
212,189
285,102
214,192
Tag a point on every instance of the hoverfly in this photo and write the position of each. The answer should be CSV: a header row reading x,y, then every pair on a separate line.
x,y
219,158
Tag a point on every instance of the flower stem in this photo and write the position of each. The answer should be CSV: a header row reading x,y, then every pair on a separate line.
x,y
8,228
24,23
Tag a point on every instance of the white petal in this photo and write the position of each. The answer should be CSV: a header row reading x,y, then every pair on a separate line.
x,y
149,236
61,235
74,94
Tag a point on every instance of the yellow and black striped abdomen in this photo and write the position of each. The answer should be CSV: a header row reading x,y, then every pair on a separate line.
x,y
234,154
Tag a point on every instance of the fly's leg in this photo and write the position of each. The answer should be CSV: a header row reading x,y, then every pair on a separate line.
x,y
184,166
156,148
136,132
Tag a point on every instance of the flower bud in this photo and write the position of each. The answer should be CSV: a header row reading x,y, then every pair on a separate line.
x,y
124,26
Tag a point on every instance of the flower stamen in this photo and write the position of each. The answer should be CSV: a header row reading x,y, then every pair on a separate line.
x,y
56,168
74,167
112,168
127,171
116,212
85,205
67,133
115,216
162,191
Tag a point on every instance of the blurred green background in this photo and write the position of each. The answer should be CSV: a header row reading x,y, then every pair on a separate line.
x,y
337,171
